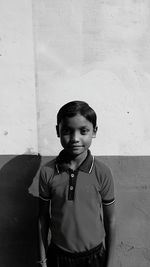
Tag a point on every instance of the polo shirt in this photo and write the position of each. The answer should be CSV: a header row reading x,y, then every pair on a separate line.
x,y
76,199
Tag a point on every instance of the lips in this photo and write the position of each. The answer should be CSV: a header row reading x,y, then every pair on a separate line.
x,y
76,146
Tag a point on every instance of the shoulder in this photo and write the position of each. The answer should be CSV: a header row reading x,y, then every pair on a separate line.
x,y
48,170
101,167
106,182
103,172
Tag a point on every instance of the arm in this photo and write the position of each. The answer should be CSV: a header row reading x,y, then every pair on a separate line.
x,y
110,229
43,228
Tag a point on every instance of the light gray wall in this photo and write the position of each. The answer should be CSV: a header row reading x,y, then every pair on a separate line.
x,y
52,52
97,51
18,124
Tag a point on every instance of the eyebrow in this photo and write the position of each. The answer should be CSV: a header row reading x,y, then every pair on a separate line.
x,y
84,127
68,127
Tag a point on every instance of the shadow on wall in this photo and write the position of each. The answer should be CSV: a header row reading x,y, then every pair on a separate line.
x,y
18,211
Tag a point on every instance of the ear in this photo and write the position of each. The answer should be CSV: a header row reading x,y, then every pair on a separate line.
x,y
95,131
57,130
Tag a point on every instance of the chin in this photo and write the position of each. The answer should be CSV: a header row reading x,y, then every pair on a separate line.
x,y
76,153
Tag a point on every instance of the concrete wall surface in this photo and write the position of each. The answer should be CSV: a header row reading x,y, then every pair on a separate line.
x,y
18,119
19,209
99,52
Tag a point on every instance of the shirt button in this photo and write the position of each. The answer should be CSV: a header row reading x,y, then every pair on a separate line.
x,y
72,175
71,188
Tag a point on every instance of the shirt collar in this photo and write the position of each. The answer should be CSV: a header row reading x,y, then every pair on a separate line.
x,y
86,165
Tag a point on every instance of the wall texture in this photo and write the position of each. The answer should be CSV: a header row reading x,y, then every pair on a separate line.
x,y
18,124
97,51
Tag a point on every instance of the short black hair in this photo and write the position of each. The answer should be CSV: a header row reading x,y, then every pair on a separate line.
x,y
73,108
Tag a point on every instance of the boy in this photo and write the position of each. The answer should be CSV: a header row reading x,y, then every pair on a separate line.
x,y
74,188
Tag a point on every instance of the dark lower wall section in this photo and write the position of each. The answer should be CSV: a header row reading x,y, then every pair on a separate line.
x,y
19,209
132,181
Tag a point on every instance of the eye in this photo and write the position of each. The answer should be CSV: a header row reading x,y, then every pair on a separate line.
x,y
65,131
84,131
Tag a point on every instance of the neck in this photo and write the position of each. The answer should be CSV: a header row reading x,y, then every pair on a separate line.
x,y
71,161
76,161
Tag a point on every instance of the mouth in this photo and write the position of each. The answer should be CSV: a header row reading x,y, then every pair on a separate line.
x,y
74,147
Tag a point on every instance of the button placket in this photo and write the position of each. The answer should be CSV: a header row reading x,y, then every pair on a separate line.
x,y
72,184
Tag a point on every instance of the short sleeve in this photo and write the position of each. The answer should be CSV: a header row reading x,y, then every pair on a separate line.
x,y
44,190
107,189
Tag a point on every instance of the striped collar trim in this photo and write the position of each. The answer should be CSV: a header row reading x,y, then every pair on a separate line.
x,y
86,166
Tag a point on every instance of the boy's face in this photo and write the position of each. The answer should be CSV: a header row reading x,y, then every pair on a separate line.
x,y
76,134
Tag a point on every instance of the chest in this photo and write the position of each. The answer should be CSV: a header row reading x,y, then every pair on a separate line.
x,y
75,187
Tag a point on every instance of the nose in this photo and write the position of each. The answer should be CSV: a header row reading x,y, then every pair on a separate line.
x,y
75,137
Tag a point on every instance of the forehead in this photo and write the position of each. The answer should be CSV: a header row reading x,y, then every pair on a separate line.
x,y
77,121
